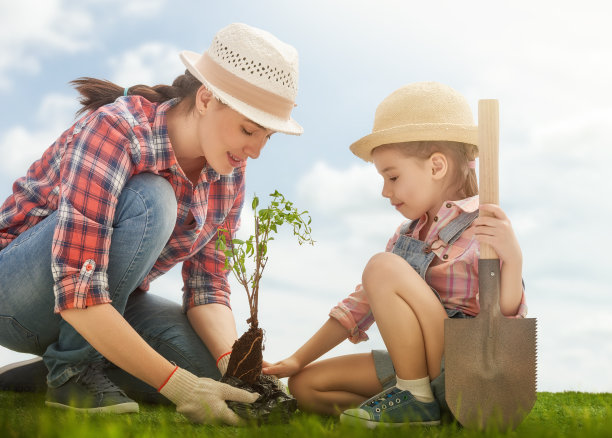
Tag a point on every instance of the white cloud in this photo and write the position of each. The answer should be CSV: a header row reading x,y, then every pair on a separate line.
x,y
140,8
349,202
149,64
31,30
21,145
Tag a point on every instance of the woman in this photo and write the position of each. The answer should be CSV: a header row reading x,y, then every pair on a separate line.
x,y
137,185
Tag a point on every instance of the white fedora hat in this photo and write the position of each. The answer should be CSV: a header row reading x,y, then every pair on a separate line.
x,y
251,71
422,111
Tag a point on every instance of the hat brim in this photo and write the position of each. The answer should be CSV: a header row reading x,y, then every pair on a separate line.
x,y
267,120
423,132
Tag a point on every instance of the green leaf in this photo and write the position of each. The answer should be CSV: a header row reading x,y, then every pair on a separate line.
x,y
255,202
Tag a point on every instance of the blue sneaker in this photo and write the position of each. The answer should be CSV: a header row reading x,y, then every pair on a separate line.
x,y
393,407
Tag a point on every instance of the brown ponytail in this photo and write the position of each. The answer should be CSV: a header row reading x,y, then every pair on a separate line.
x,y
97,92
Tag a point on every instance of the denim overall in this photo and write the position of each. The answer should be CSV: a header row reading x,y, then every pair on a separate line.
x,y
420,255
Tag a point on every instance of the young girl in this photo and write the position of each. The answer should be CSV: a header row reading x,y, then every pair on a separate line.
x,y
140,183
423,145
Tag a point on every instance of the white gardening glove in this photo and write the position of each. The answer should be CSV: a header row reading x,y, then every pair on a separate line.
x,y
202,400
223,362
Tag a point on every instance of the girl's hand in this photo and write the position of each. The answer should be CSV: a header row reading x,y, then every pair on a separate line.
x,y
285,368
494,228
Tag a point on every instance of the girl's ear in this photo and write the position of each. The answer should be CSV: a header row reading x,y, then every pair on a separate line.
x,y
439,165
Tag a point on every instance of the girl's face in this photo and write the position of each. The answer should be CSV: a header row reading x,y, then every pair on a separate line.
x,y
227,138
410,183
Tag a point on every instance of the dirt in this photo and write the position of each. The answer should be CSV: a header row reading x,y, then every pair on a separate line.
x,y
246,359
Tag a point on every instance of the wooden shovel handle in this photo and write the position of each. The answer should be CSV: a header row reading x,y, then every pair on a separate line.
x,y
488,152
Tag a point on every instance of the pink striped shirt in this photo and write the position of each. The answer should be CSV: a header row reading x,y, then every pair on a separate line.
x,y
453,273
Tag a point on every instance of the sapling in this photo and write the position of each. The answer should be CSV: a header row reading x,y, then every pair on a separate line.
x,y
245,361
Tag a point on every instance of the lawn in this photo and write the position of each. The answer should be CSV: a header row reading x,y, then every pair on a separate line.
x,y
566,414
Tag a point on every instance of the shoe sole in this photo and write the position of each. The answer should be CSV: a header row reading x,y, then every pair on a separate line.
x,y
123,408
14,365
370,424
36,381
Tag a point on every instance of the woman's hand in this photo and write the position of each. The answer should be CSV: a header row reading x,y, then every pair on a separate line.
x,y
202,400
494,228
285,368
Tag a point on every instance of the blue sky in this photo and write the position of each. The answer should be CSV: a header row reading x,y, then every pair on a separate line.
x,y
547,62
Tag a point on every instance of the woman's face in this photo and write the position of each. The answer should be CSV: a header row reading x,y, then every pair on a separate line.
x,y
227,138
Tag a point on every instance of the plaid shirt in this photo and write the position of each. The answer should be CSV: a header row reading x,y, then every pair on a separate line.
x,y
82,175
454,278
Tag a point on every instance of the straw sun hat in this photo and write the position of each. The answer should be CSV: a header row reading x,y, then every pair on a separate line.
x,y
422,111
251,71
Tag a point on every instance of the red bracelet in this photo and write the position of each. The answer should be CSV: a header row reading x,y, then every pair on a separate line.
x,y
164,384
222,356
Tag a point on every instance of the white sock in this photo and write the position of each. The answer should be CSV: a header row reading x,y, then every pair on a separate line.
x,y
419,388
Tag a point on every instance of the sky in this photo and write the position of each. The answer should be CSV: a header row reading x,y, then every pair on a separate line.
x,y
549,64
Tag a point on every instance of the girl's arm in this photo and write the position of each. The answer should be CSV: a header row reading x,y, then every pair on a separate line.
x,y
326,338
494,228
102,326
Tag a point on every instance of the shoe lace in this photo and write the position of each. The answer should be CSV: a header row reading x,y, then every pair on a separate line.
x,y
384,397
96,380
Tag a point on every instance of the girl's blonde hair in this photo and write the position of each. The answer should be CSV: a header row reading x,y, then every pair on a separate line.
x,y
461,178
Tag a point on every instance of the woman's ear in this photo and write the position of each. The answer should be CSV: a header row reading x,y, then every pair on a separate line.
x,y
203,98
439,165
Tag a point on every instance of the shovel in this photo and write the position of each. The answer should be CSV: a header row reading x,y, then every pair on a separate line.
x,y
490,360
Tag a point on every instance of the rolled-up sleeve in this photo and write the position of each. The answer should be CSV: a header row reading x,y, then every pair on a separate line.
x,y
95,168
354,314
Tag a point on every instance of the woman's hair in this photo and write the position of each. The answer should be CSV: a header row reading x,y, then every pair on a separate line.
x,y
98,92
461,178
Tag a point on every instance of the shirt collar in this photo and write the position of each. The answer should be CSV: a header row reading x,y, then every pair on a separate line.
x,y
449,211
210,174
467,205
161,140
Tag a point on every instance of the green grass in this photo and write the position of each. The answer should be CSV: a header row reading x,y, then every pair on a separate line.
x,y
566,414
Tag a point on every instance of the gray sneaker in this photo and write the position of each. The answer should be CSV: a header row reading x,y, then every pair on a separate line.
x,y
91,391
25,376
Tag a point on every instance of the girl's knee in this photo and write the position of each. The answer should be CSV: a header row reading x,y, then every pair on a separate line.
x,y
294,385
382,267
299,387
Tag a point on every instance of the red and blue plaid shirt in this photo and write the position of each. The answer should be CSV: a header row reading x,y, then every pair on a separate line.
x,y
82,175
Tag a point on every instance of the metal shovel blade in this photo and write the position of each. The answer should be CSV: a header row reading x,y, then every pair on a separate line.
x,y
490,360
490,364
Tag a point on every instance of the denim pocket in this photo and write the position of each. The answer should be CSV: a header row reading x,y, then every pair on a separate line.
x,y
16,337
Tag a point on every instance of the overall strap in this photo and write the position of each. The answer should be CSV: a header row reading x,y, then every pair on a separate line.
x,y
453,230
408,227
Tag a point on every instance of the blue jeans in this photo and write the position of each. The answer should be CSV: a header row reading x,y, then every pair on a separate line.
x,y
144,220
